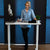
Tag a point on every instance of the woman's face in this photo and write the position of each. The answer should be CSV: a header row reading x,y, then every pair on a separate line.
x,y
27,5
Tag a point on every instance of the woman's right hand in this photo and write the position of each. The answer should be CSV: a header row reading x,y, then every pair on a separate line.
x,y
19,20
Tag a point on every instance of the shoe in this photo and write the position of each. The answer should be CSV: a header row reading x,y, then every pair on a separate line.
x,y
26,47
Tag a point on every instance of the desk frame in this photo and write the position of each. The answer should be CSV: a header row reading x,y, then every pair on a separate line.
x,y
19,23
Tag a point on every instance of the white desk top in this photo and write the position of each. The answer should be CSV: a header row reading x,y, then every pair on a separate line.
x,y
21,23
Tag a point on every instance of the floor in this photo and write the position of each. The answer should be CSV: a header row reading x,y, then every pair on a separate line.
x,y
15,47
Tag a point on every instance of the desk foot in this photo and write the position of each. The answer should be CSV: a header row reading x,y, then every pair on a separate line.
x,y
35,48
9,48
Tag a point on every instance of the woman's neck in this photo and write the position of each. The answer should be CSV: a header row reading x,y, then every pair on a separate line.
x,y
27,8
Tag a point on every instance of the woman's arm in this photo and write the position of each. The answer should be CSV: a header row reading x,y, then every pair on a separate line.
x,y
33,15
22,15
19,20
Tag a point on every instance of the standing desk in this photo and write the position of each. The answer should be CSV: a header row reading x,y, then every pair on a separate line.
x,y
21,23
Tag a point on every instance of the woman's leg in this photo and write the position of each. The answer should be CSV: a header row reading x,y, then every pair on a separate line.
x,y
25,36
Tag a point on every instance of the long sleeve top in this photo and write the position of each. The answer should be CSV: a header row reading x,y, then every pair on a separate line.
x,y
27,16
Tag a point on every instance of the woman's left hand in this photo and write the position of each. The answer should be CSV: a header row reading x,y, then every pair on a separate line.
x,y
35,19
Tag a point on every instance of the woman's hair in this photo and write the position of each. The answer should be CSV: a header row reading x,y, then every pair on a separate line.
x,y
28,2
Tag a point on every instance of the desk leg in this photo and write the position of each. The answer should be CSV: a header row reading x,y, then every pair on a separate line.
x,y
9,46
37,36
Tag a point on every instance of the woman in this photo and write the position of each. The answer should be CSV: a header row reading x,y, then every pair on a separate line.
x,y
26,16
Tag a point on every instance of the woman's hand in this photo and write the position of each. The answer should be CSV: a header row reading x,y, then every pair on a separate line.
x,y
35,19
19,20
